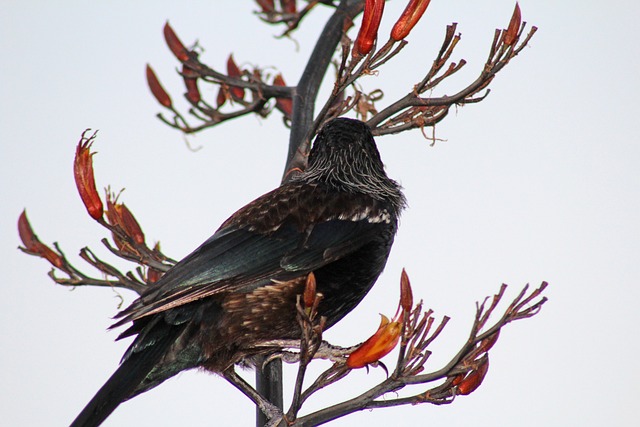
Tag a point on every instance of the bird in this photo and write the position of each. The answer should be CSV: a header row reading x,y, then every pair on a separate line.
x,y
337,219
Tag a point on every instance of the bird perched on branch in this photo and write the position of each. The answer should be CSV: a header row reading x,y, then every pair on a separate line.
x,y
337,219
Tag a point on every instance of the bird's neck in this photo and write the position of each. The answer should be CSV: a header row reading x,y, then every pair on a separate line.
x,y
356,177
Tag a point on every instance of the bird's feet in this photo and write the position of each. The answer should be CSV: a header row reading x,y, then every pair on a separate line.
x,y
285,350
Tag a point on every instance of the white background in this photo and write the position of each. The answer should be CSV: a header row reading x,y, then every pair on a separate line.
x,y
538,182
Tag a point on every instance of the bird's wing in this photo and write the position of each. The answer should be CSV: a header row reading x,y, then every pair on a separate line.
x,y
238,257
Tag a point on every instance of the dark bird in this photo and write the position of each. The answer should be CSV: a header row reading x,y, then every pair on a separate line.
x,y
337,219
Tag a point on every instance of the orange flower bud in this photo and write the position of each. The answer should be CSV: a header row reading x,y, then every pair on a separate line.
x,y
378,346
369,29
473,380
174,43
409,18
514,26
233,71
33,245
309,295
157,90
406,295
191,83
83,175
283,104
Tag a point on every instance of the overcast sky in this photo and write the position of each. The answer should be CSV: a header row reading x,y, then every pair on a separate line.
x,y
541,181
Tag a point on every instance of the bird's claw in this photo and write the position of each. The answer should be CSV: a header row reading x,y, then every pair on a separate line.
x,y
325,351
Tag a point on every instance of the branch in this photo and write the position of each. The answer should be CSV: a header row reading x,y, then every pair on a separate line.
x,y
462,375
307,88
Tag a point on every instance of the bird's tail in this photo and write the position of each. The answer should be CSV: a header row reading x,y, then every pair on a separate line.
x,y
125,381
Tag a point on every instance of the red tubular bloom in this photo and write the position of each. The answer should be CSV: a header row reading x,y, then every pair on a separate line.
x,y
33,245
83,175
233,71
369,29
514,26
283,104
174,43
379,345
156,88
473,380
409,18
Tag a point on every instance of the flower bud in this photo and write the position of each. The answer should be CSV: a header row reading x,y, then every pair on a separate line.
x,y
174,43
514,27
409,18
156,88
369,28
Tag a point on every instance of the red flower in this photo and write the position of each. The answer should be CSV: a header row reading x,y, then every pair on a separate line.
x,y
388,334
369,29
409,18
379,345
83,175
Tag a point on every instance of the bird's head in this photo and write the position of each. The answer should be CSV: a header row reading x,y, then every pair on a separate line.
x,y
344,156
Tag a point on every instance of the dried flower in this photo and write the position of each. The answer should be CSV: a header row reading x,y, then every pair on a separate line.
x,y
409,18
83,175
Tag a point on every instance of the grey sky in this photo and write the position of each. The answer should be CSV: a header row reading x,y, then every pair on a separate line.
x,y
538,182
